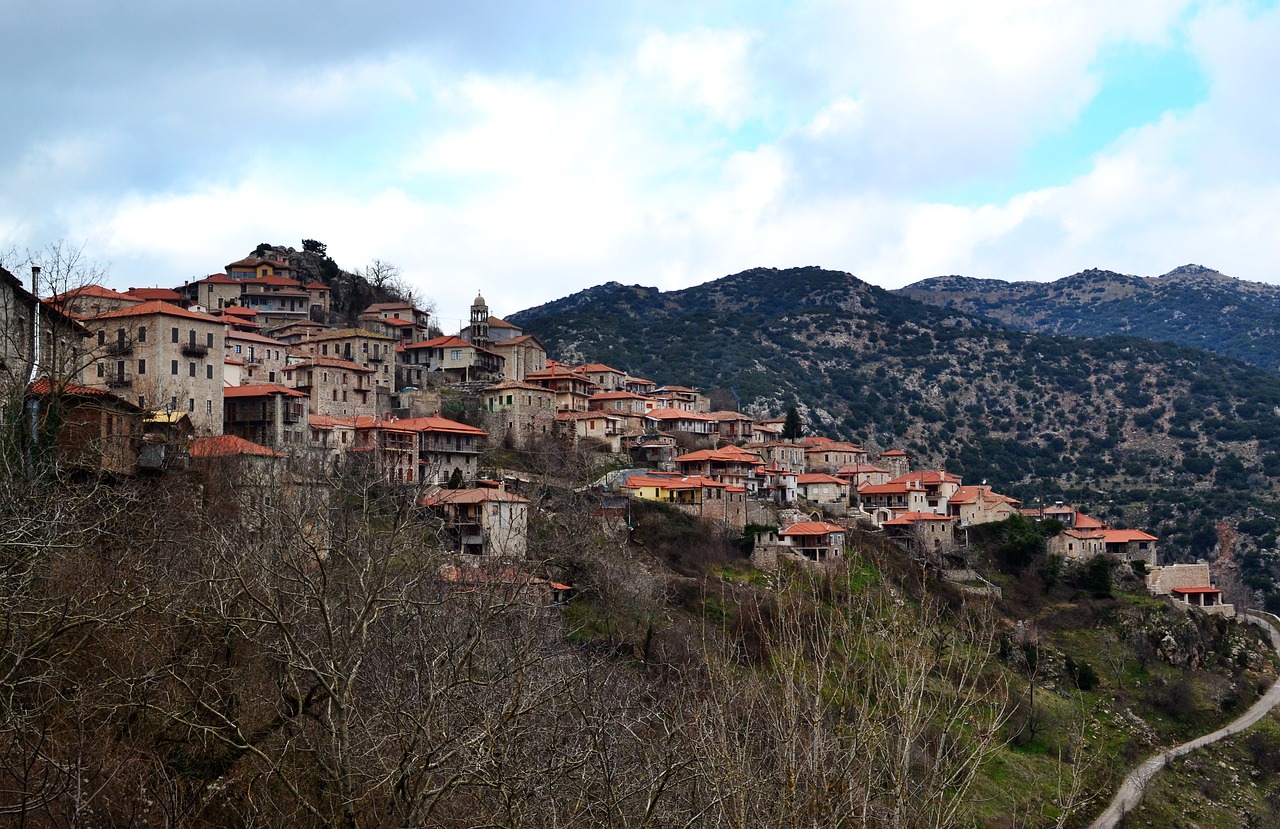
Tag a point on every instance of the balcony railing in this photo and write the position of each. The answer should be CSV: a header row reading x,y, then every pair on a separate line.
x,y
119,381
119,349
194,350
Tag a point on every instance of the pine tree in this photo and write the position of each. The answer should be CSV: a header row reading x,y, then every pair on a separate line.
x,y
792,428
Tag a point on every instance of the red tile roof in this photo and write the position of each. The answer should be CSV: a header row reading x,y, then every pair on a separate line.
x,y
223,446
908,518
471,496
809,528
328,362
1125,536
167,294
261,390
725,454
156,306
820,478
436,424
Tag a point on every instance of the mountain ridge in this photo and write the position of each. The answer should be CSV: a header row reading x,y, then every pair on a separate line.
x,y
1191,305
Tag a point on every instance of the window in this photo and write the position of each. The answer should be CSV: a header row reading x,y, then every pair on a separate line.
x,y
191,339
102,337
142,402
208,371
173,364
209,339
191,369
238,347
191,404
208,407
324,349
142,366
455,354
142,334
102,370
173,334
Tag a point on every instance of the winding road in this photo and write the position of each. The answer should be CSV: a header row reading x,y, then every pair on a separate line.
x,y
1135,784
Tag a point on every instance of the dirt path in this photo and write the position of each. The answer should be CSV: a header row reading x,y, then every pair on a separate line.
x,y
1135,784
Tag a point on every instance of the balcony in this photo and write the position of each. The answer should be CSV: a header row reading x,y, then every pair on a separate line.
x,y
377,358
119,381
194,350
119,349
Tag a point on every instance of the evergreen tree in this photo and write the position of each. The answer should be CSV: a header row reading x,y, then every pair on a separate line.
x,y
792,428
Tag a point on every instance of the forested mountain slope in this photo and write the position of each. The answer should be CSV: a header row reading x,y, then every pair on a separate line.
x,y
1144,433
1191,305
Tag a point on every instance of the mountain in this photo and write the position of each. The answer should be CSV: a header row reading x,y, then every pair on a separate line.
x,y
1191,305
1143,433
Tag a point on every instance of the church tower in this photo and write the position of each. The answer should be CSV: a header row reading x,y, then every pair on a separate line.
x,y
480,322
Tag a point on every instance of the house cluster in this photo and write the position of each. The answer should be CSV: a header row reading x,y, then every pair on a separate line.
x,y
247,363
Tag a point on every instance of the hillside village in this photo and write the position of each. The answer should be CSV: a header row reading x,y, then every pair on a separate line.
x,y
250,367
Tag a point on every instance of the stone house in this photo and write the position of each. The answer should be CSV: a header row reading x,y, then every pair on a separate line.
x,y
518,414
263,359
338,388
268,414
896,461
728,465
598,426
521,356
696,496
823,489
822,455
373,351
444,446
605,377
785,454
1189,586
481,521
733,427
883,501
1077,544
162,357
1130,545
980,505
805,541
96,430
453,359
858,474
572,388
925,532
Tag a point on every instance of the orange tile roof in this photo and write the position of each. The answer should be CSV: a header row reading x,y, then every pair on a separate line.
x,y
908,518
239,310
156,306
929,476
811,528
223,446
672,482
328,362
167,294
676,414
316,286
971,495
859,469
1125,536
599,368
894,453
471,496
261,390
251,337
891,488
96,291
820,478
727,454
436,424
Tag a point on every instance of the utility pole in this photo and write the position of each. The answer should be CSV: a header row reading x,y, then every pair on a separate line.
x,y
33,402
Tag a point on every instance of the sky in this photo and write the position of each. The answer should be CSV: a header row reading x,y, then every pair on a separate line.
x,y
531,150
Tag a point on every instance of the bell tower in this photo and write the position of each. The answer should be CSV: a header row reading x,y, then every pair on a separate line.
x,y
480,322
